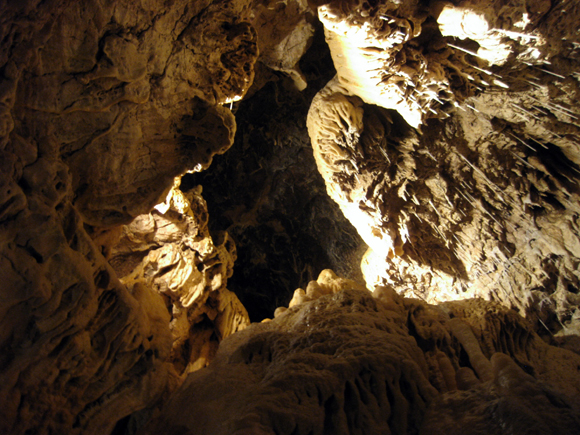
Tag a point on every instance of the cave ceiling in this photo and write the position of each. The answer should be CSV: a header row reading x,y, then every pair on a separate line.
x,y
289,217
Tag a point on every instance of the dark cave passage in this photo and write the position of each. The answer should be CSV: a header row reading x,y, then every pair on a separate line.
x,y
268,194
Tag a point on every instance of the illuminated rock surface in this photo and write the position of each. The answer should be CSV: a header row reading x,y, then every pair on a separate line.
x,y
172,252
348,362
449,139
483,202
103,104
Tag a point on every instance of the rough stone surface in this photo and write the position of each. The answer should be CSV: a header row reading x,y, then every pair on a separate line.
x,y
267,194
449,138
102,104
126,101
484,202
394,54
285,31
78,350
171,251
348,362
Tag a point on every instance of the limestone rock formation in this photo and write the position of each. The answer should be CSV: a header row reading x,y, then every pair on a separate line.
x,y
482,202
102,105
128,104
78,350
348,362
268,195
171,251
394,54
285,31
449,138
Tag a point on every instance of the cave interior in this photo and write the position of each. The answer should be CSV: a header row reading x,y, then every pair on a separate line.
x,y
289,217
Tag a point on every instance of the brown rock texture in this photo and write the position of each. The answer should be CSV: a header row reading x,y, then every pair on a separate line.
x,y
126,102
268,195
349,362
482,199
103,104
449,138
171,251
77,348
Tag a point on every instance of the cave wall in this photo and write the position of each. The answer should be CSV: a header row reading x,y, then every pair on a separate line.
x,y
267,193
479,199
345,361
115,282
106,301
103,105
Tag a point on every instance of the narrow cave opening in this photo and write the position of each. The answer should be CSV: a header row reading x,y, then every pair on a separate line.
x,y
268,194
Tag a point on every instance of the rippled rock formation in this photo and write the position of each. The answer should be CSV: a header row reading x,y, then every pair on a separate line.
x,y
103,104
482,202
351,362
449,139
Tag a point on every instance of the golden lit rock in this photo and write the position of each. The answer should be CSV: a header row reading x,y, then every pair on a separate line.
x,y
178,259
348,362
449,137
472,206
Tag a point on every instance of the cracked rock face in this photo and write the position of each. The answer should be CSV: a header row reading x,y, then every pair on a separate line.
x,y
350,362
